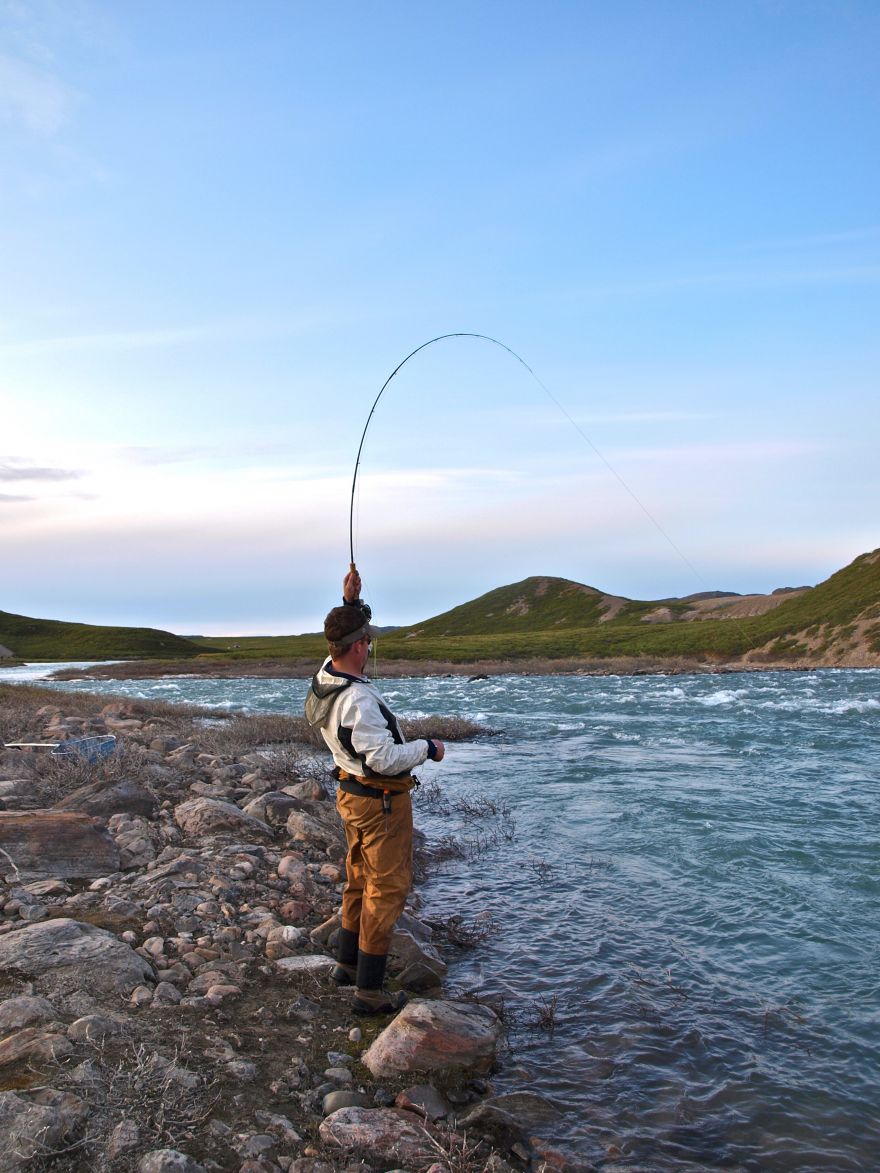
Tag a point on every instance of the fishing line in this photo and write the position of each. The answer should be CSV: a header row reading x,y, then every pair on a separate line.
x,y
553,399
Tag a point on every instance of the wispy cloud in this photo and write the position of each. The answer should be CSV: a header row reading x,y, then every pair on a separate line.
x,y
239,329
27,472
33,98
7,497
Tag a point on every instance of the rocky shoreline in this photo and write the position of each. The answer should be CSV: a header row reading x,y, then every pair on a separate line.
x,y
167,919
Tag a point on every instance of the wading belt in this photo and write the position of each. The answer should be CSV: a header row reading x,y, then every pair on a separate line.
x,y
382,788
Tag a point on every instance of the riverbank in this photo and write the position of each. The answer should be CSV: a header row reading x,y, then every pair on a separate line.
x,y
304,669
165,937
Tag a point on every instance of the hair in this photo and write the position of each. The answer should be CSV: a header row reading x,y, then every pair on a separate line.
x,y
340,622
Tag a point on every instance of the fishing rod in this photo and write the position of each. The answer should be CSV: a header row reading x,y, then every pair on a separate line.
x,y
549,394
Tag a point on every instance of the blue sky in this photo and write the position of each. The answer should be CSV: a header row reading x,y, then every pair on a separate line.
x,y
222,225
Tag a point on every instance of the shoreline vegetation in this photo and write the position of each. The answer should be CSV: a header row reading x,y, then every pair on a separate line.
x,y
304,669
541,624
167,919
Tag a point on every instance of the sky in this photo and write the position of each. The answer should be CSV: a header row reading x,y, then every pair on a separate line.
x,y
223,225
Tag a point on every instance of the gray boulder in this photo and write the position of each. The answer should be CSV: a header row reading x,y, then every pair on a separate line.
x,y
211,816
317,823
25,1010
66,955
104,799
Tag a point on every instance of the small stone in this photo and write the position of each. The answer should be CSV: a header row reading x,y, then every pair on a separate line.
x,y
141,996
355,1034
333,1101
216,994
305,963
124,1136
339,1075
425,1100
92,1028
242,1070
166,992
168,1161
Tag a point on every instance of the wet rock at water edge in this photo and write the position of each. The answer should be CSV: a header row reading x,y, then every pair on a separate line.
x,y
436,1036
67,955
424,1100
386,1133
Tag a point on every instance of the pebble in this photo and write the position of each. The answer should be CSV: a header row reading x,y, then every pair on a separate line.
x,y
343,1099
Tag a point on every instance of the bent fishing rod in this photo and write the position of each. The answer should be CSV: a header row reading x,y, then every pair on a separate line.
x,y
550,395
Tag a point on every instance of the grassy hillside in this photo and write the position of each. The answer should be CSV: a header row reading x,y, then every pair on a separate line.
x,y
263,647
554,618
48,639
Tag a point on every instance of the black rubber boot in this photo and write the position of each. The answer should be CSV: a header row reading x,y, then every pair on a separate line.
x,y
344,973
370,997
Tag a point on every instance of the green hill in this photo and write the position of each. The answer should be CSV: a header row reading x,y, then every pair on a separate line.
x,y
49,639
837,621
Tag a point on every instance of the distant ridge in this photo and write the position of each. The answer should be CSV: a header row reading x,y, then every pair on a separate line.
x,y
834,623
51,639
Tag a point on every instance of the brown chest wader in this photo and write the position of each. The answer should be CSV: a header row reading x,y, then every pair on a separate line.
x,y
376,814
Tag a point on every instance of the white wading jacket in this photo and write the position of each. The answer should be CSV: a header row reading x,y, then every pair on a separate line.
x,y
360,730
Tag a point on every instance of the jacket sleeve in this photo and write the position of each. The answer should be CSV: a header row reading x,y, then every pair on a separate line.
x,y
361,722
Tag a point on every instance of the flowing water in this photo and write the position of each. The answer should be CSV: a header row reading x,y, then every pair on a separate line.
x,y
694,877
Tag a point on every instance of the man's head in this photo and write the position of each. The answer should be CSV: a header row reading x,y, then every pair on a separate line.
x,y
347,631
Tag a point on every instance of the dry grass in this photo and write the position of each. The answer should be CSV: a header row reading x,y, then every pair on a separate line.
x,y
446,728
241,733
167,1097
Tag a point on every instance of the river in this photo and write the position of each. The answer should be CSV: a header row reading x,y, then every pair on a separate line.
x,y
686,889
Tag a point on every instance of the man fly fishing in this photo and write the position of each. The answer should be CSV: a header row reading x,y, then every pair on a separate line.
x,y
373,766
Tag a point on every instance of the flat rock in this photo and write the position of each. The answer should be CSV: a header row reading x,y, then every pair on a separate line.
x,y
424,1100
272,807
31,1123
105,798
25,1010
33,1045
317,823
212,816
529,1109
436,1036
305,963
55,844
66,955
386,1133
